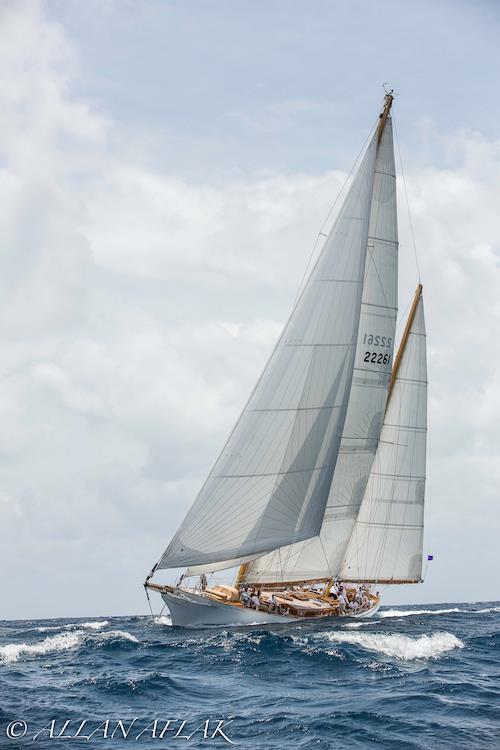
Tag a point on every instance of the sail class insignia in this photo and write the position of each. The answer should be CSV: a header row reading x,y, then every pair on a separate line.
x,y
317,498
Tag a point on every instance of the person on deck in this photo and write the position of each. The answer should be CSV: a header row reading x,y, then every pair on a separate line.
x,y
245,596
360,597
334,589
255,600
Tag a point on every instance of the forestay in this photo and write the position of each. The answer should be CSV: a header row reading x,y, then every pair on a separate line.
x,y
270,485
321,557
386,543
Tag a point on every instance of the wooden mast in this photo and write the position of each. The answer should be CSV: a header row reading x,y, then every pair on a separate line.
x,y
240,575
388,99
404,340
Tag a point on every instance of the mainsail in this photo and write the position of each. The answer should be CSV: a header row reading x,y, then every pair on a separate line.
x,y
322,556
270,485
386,543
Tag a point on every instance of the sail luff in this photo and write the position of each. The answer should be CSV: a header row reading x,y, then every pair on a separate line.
x,y
270,484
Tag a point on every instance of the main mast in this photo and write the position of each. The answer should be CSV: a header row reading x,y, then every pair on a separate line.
x,y
388,99
383,117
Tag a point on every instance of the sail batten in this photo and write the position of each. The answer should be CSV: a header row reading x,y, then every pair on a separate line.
x,y
270,485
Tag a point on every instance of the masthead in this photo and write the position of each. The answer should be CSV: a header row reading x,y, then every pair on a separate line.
x,y
388,99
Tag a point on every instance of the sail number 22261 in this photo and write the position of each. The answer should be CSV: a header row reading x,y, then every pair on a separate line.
x,y
378,358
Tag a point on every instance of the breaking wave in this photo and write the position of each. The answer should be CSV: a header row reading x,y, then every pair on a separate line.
x,y
91,625
402,647
116,634
410,612
62,642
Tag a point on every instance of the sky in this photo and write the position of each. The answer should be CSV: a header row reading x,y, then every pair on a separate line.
x,y
165,167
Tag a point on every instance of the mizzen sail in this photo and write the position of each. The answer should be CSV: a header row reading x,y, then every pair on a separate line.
x,y
270,485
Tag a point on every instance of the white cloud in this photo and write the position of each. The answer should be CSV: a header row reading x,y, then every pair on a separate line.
x,y
138,308
157,225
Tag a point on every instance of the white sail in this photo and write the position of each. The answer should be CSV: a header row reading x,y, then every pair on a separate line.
x,y
321,557
386,543
196,570
270,485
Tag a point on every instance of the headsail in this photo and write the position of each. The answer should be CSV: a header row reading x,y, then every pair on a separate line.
x,y
321,557
270,485
386,543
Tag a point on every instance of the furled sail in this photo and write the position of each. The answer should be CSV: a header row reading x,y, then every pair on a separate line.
x,y
270,485
322,556
386,543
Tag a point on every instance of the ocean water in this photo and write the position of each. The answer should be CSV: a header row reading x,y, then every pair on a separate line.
x,y
424,677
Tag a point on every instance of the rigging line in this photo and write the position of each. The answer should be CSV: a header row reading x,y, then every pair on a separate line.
x,y
321,232
324,552
371,261
149,601
410,221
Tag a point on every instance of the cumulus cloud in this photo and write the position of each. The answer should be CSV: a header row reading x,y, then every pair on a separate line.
x,y
138,308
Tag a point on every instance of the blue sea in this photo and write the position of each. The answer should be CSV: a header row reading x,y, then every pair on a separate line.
x,y
425,677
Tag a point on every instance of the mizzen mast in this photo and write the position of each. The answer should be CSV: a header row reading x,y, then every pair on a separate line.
x,y
404,340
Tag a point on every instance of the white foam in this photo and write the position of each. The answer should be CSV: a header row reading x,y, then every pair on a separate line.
x,y
486,610
411,612
92,625
163,620
61,642
47,628
108,635
401,647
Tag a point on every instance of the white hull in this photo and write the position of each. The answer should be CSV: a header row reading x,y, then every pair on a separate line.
x,y
191,610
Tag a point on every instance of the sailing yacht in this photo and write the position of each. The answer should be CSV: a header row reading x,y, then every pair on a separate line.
x,y
317,498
